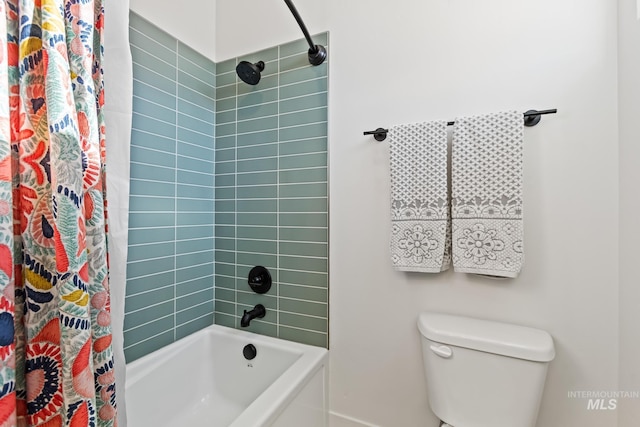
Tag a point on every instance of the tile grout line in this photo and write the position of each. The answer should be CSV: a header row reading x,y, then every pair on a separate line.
x,y
145,340
150,291
175,206
278,205
213,172
235,194
146,324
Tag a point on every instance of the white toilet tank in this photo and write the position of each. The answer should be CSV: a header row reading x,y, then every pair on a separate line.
x,y
483,373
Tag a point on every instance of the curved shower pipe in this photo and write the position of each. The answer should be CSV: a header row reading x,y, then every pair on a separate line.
x,y
317,53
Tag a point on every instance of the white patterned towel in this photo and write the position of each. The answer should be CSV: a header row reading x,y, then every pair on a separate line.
x,y
419,208
486,194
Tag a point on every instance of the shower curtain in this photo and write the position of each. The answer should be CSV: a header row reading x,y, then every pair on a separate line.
x,y
56,358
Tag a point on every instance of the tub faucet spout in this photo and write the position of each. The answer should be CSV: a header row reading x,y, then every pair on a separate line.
x,y
258,312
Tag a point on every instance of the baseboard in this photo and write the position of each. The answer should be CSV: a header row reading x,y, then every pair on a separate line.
x,y
340,420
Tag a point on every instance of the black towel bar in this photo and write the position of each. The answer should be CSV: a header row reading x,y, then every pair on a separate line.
x,y
531,118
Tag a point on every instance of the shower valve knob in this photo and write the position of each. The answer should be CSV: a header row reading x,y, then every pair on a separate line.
x,y
259,279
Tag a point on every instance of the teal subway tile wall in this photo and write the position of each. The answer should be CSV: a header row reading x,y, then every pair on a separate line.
x,y
271,193
225,176
170,267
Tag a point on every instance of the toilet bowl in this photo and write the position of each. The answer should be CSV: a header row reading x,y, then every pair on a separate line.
x,y
482,373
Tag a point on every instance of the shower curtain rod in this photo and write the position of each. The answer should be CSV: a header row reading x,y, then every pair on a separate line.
x,y
317,53
531,118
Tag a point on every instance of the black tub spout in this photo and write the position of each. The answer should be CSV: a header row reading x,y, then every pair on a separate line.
x,y
258,312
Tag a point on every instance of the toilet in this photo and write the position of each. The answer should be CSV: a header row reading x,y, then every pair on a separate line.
x,y
482,373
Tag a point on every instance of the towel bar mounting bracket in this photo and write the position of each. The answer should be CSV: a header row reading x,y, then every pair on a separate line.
x,y
379,134
532,118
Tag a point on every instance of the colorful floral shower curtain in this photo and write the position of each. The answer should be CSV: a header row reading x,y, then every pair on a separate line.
x,y
56,362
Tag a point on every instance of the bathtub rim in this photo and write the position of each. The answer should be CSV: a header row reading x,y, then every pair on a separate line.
x,y
266,408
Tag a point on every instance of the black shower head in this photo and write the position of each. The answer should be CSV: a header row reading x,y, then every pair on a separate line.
x,y
248,72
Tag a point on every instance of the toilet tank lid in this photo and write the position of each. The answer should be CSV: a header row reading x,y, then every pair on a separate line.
x,y
489,336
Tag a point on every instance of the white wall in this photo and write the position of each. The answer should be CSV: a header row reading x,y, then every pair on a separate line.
x,y
411,60
629,105
247,26
192,22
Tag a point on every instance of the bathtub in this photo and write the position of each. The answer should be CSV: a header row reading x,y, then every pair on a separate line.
x,y
205,380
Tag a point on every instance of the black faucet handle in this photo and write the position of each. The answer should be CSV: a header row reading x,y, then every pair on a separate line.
x,y
259,279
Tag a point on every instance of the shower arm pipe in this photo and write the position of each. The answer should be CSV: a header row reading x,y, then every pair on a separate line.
x,y
531,118
317,53
303,27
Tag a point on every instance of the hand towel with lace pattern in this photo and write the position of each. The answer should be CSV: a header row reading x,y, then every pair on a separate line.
x,y
486,192
419,207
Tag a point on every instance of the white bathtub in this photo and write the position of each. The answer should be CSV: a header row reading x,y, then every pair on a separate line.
x,y
204,380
